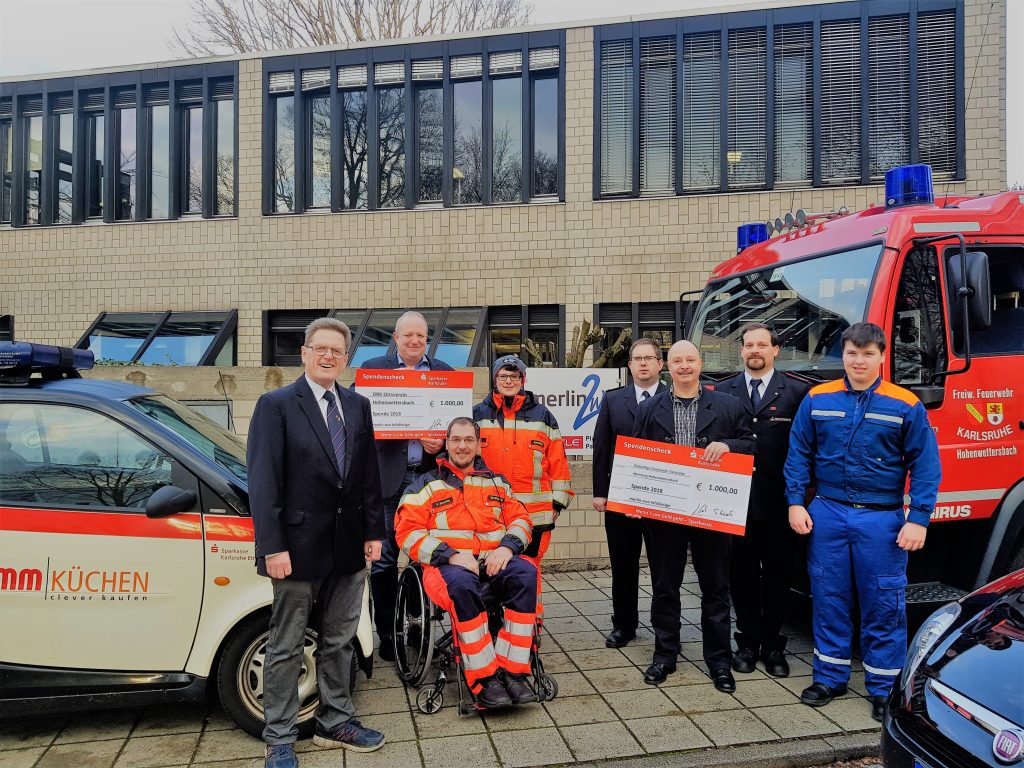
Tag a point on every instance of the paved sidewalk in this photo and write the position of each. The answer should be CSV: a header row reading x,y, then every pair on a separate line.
x,y
603,711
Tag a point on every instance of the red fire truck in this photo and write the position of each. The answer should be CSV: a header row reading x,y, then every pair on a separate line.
x,y
945,279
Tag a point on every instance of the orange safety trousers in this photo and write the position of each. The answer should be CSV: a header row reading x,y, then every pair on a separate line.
x,y
459,592
543,542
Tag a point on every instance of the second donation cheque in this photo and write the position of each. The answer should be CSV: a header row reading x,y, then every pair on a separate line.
x,y
676,484
410,404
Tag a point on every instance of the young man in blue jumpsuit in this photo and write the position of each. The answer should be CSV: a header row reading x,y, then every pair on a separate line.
x,y
854,441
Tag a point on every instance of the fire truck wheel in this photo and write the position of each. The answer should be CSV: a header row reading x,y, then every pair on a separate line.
x,y
240,677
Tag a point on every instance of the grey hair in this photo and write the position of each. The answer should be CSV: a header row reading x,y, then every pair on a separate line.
x,y
411,314
328,324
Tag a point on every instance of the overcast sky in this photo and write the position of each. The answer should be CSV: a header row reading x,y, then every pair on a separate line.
x,y
38,36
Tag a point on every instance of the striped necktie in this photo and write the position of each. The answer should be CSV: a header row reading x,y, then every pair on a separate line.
x,y
337,429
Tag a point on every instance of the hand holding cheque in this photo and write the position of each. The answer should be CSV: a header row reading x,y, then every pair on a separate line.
x,y
680,484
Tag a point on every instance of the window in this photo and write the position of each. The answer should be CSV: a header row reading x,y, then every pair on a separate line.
x,y
127,160
163,338
63,150
284,154
657,116
701,100
95,123
159,153
225,158
830,115
467,172
283,334
33,168
793,103
391,140
1005,334
936,101
889,93
746,153
840,101
193,165
919,330
507,140
354,157
429,145
535,332
658,320
458,344
318,172
6,169
545,136
63,456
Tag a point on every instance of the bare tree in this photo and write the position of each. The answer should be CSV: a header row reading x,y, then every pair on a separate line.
x,y
238,26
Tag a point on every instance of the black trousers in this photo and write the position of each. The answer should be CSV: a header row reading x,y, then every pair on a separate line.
x,y
763,563
667,554
626,536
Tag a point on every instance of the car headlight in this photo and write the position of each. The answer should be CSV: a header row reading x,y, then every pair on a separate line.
x,y
926,637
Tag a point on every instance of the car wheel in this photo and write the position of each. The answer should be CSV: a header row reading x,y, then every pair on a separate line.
x,y
240,677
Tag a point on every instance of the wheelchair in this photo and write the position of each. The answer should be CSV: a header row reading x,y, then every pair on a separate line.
x,y
422,641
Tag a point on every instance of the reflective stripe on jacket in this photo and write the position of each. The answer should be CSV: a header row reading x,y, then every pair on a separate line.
x,y
860,447
443,512
523,443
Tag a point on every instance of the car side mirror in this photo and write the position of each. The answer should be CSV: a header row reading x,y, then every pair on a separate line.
x,y
170,500
930,397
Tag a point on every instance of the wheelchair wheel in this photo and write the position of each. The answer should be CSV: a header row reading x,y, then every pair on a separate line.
x,y
429,700
548,687
414,630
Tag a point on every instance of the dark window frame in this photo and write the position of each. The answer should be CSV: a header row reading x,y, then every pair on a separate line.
x,y
862,11
105,84
444,50
227,331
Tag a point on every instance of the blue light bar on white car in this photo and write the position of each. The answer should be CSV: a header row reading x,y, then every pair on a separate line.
x,y
44,357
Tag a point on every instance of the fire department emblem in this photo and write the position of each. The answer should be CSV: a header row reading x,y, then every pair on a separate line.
x,y
995,413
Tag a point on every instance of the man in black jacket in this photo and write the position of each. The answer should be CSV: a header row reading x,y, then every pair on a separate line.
x,y
763,559
625,534
691,414
314,490
401,462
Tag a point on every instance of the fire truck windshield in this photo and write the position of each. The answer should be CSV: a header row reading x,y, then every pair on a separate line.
x,y
809,303
208,437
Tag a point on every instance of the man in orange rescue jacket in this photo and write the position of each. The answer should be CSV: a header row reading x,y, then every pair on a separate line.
x,y
463,524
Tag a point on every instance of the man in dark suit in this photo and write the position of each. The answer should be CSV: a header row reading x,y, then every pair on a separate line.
x,y
625,534
314,490
691,414
763,559
401,462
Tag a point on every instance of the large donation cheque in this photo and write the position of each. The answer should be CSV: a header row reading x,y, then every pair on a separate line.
x,y
676,484
409,405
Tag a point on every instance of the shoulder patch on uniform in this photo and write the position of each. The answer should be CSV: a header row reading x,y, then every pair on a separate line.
x,y
443,502
837,385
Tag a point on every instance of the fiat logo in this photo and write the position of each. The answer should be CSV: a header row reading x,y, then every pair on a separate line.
x,y
1008,745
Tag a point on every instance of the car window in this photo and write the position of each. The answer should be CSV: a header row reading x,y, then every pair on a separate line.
x,y
66,456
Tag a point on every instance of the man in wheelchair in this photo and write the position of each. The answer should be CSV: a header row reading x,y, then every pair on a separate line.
x,y
462,523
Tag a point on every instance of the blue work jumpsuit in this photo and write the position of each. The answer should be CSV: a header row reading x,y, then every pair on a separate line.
x,y
855,449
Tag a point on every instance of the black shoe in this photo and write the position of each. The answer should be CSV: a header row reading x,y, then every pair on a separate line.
x,y
819,694
618,638
518,691
657,672
493,695
744,660
878,707
386,651
723,680
775,663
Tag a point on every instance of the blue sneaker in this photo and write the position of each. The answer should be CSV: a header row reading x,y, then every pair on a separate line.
x,y
351,735
281,756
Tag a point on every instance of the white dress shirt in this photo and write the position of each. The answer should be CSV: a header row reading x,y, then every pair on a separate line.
x,y
765,380
639,391
318,393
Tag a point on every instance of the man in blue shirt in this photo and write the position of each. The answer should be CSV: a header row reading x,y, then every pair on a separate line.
x,y
854,441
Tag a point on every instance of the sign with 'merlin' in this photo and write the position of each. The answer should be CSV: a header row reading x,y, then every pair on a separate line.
x,y
574,396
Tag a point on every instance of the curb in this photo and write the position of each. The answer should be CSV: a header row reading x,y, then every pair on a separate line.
x,y
796,753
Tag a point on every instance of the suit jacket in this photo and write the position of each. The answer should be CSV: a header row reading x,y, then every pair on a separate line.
x,y
393,455
770,425
720,418
301,502
617,416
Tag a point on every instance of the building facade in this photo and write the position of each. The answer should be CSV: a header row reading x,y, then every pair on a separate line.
x,y
510,184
